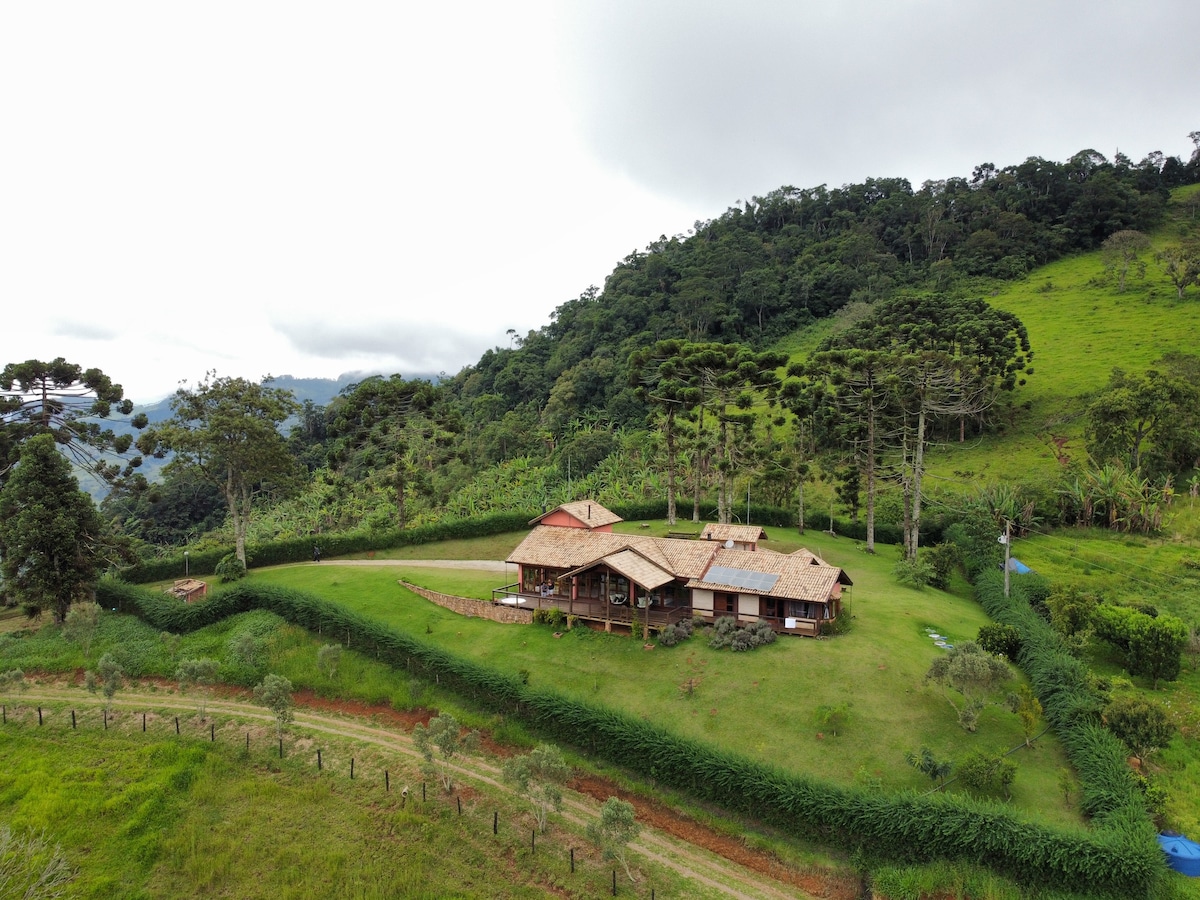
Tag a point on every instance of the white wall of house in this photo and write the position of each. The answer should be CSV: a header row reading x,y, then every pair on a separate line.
x,y
702,602
747,607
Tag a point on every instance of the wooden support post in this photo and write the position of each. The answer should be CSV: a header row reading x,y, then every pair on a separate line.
x,y
352,768
143,723
459,799
212,733
318,760
387,782
496,822
72,720
177,724
247,742
39,716
572,860
281,748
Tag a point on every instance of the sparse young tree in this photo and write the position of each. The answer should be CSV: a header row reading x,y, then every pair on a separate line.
x,y
108,678
1122,252
30,867
1028,709
539,776
197,673
615,829
275,693
329,657
80,624
832,716
443,739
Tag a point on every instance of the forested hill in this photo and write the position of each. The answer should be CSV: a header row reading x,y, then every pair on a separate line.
x,y
774,263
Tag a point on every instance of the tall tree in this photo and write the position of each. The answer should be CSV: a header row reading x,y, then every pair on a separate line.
x,y
227,429
661,382
1122,251
62,399
730,379
51,537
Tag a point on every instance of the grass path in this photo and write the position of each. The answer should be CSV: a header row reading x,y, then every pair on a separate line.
x,y
688,859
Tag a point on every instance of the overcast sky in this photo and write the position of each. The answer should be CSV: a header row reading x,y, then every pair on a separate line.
x,y
312,189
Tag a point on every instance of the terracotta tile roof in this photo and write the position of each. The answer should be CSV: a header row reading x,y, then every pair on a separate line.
x,y
801,575
742,534
798,578
589,512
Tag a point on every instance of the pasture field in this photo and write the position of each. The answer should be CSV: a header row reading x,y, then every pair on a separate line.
x,y
154,815
762,704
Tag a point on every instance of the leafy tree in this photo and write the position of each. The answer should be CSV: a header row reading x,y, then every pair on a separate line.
x,y
614,830
443,737
972,672
1140,417
1142,724
1181,265
539,776
63,400
987,772
275,693
329,657
52,541
926,763
197,673
227,429
80,624
1122,251
1156,644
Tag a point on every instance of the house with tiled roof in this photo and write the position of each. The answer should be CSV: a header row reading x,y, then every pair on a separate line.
x,y
573,560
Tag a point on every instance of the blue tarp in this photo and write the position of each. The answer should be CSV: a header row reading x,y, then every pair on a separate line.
x,y
1015,565
1183,855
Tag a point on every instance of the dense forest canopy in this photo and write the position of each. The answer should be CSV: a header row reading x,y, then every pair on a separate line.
x,y
564,402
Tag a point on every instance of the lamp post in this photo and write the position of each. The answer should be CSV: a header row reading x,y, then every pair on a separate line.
x,y
186,569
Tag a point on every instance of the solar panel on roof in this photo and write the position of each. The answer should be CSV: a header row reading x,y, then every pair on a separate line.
x,y
761,582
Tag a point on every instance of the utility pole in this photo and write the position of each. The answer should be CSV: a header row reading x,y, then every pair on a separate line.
x,y
1006,540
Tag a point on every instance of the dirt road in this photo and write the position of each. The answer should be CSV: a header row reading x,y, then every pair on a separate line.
x,y
709,858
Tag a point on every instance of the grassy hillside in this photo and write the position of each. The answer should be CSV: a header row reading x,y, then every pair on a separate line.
x,y
1080,328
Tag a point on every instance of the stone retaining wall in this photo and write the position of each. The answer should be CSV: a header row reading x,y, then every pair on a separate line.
x,y
465,606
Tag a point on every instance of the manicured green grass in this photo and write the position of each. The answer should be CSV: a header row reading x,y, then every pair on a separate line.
x,y
761,704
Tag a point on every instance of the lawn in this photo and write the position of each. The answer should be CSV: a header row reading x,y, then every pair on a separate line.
x,y
762,704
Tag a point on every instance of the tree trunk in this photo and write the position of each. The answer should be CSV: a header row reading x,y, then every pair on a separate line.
x,y
671,462
918,466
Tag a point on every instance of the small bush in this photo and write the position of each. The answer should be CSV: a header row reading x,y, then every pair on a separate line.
x,y
230,568
1003,640
987,773
727,633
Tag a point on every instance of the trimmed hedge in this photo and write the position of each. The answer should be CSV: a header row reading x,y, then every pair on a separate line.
x,y
1120,859
300,549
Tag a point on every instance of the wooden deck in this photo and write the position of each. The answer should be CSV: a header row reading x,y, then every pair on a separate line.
x,y
624,615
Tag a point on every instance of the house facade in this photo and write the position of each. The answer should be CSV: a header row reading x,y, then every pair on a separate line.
x,y
573,560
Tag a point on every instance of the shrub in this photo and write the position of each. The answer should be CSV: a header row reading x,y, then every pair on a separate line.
x,y
1141,723
1003,640
942,559
727,633
987,772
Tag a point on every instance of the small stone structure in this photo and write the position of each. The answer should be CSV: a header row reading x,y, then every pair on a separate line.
x,y
484,609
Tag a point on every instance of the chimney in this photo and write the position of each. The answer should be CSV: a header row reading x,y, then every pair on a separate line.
x,y
589,512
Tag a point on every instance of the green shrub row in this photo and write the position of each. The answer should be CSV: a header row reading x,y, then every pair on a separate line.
x,y
1072,706
1115,861
300,549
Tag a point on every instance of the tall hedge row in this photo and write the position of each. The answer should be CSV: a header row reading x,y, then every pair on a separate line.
x,y
1115,861
1111,795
